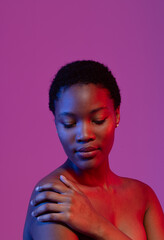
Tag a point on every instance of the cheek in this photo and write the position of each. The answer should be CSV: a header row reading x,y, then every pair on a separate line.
x,y
107,138
66,138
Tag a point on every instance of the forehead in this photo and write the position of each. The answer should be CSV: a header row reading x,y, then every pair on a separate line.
x,y
83,96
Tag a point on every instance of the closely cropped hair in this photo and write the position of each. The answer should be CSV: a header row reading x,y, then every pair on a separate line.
x,y
83,72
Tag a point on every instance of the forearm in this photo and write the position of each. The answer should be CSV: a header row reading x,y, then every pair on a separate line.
x,y
104,230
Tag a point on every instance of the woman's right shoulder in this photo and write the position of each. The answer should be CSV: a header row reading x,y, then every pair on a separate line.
x,y
53,177
34,230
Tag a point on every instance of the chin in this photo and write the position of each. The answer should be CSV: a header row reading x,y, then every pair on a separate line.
x,y
86,164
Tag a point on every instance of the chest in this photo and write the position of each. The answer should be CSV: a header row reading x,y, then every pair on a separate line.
x,y
122,210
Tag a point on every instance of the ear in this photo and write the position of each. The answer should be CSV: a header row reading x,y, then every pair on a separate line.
x,y
117,114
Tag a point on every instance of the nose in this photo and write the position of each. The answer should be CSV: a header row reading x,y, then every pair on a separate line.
x,y
85,133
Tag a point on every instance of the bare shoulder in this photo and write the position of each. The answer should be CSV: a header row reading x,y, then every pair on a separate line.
x,y
54,175
140,189
143,196
34,230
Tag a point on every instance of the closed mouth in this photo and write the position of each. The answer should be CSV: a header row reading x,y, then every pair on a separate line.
x,y
87,153
87,149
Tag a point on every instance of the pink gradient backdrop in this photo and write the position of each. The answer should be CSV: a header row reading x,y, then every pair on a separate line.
x,y
37,37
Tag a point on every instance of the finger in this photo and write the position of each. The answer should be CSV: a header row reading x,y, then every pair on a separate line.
x,y
49,208
69,183
55,187
48,196
52,217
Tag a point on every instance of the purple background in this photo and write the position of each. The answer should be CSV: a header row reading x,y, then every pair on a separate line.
x,y
37,37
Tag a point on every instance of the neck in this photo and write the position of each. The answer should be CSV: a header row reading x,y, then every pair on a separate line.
x,y
101,176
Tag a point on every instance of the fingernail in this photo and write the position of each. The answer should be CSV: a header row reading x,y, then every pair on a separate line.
x,y
62,177
33,214
32,202
37,188
39,219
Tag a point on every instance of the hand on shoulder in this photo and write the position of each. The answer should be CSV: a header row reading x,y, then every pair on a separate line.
x,y
38,230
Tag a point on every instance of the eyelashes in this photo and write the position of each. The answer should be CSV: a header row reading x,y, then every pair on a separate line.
x,y
71,125
99,122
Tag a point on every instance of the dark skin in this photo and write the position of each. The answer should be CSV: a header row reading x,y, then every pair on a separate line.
x,y
90,201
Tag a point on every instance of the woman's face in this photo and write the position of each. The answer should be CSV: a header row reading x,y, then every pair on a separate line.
x,y
86,120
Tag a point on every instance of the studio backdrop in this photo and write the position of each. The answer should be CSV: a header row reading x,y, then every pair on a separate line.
x,y
37,38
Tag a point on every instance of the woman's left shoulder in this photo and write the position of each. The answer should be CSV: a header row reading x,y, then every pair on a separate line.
x,y
139,189
145,198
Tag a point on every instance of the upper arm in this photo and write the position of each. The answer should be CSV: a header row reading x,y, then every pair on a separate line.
x,y
34,230
52,231
154,218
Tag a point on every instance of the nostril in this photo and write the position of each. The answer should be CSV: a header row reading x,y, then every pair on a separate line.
x,y
84,132
85,138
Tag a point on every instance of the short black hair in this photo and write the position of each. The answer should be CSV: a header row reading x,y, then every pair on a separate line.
x,y
83,72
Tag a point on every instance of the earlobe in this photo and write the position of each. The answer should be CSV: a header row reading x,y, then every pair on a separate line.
x,y
117,116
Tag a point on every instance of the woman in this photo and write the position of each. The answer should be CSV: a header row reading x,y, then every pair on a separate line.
x,y
84,199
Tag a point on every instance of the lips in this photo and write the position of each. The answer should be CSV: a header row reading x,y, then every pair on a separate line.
x,y
86,149
87,152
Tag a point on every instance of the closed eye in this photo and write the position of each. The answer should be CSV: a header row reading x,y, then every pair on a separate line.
x,y
99,122
68,125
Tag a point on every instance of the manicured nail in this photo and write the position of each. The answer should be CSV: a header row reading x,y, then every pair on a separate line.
x,y
32,202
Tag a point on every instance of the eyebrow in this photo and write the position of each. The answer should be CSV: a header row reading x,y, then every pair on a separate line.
x,y
70,114
98,109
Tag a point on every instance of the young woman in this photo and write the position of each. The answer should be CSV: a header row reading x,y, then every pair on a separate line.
x,y
84,199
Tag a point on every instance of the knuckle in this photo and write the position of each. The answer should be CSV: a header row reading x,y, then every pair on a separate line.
x,y
61,217
45,195
68,216
68,207
56,186
46,207
70,192
70,200
52,217
51,185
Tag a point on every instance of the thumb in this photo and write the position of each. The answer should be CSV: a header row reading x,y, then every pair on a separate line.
x,y
69,183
